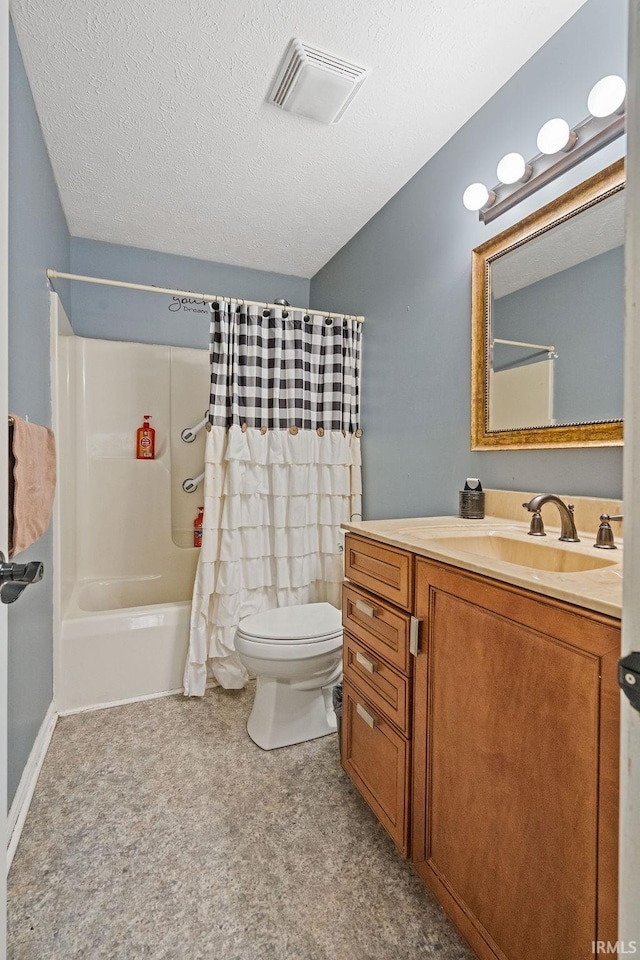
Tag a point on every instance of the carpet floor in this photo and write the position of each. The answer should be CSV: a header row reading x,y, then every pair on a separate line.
x,y
159,830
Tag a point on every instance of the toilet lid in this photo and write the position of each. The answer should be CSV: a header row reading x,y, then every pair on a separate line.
x,y
308,622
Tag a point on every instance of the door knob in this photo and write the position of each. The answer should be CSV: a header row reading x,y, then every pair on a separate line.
x,y
16,577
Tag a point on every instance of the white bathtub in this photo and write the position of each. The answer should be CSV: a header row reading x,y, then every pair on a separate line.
x,y
122,639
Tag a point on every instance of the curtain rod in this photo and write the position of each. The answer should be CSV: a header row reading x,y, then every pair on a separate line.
x,y
56,275
521,343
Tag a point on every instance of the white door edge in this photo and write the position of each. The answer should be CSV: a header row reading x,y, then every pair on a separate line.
x,y
4,400
629,924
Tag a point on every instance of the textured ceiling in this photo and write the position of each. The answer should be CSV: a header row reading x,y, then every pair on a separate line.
x,y
154,116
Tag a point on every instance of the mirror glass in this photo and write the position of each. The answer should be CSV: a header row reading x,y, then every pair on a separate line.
x,y
547,321
556,323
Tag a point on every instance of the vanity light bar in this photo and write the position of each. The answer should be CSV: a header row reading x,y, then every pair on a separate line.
x,y
561,148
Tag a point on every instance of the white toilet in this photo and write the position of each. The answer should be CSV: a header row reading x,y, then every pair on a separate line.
x,y
296,655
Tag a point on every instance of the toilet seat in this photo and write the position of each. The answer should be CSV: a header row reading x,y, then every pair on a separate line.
x,y
305,623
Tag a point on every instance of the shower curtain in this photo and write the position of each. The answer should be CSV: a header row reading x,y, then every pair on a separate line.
x,y
282,472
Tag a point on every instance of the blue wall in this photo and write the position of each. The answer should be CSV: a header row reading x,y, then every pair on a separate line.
x,y
38,238
115,314
409,271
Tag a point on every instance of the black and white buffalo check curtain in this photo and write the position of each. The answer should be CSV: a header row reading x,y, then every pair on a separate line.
x,y
276,369
282,472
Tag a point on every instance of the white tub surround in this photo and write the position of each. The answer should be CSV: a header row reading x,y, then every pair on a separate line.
x,y
126,556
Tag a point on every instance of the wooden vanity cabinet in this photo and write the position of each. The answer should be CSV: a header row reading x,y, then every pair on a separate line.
x,y
377,709
493,753
515,766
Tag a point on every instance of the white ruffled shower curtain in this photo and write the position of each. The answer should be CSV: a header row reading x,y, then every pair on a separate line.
x,y
282,472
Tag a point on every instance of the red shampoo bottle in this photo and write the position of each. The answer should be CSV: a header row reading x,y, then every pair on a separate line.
x,y
197,528
146,440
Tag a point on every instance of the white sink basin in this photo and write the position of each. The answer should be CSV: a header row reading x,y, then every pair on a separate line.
x,y
525,553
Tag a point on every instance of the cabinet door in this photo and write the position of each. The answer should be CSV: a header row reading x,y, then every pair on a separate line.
x,y
515,747
376,758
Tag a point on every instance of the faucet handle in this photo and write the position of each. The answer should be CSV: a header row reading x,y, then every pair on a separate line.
x,y
604,536
536,527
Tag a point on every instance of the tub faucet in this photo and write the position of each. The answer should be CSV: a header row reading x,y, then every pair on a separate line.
x,y
568,530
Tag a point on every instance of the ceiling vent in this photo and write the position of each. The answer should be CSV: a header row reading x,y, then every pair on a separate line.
x,y
315,84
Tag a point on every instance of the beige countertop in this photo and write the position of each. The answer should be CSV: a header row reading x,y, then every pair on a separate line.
x,y
443,539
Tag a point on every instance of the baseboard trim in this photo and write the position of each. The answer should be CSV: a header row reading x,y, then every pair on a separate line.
x,y
121,703
118,703
28,780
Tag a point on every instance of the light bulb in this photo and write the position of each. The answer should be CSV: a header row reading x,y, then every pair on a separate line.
x,y
477,196
556,135
513,168
607,97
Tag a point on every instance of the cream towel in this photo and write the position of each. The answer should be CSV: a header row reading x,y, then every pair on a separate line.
x,y
32,483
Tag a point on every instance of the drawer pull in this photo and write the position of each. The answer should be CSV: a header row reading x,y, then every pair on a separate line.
x,y
368,718
367,664
414,636
365,608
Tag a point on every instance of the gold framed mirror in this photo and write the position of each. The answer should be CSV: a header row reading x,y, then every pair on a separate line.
x,y
547,323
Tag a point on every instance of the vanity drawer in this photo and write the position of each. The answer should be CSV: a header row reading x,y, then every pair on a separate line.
x,y
383,570
376,758
381,628
386,689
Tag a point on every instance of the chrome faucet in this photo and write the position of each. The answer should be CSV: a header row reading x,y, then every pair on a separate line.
x,y
568,530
